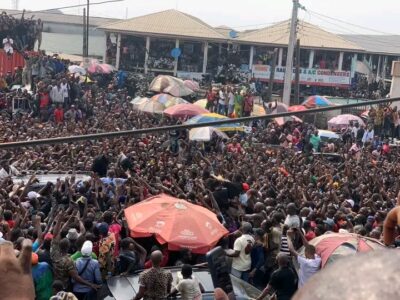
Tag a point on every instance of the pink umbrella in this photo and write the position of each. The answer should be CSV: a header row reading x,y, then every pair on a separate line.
x,y
193,85
100,68
342,121
297,108
185,110
331,246
283,120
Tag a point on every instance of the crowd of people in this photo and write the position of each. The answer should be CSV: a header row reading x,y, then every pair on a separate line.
x,y
19,33
267,187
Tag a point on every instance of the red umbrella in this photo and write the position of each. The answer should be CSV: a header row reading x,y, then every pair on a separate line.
x,y
185,110
297,108
331,246
176,222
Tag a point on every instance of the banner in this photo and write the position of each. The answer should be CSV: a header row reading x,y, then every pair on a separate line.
x,y
316,77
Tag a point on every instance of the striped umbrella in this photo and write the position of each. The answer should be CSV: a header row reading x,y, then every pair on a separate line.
x,y
212,117
317,101
202,103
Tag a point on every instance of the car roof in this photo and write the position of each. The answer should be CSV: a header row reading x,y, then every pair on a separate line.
x,y
126,287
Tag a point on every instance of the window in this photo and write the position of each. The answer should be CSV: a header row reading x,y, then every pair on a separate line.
x,y
191,59
133,52
160,54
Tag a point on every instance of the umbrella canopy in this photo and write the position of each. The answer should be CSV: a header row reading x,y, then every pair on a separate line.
x,y
176,222
184,110
297,108
175,101
100,68
342,121
171,85
333,246
77,69
365,114
279,107
204,134
202,103
317,101
327,134
162,98
193,85
258,110
211,117
85,79
150,106
283,120
138,101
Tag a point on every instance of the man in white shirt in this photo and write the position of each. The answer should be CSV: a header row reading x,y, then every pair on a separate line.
x,y
56,94
310,264
241,262
8,45
221,102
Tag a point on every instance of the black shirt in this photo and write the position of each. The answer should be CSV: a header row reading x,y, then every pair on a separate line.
x,y
283,282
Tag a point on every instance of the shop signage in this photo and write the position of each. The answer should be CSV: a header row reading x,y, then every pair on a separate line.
x,y
319,77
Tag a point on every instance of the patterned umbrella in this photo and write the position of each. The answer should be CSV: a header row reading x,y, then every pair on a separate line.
x,y
317,101
333,246
211,117
258,110
162,98
171,85
204,134
202,103
184,110
193,85
150,106
342,121
138,101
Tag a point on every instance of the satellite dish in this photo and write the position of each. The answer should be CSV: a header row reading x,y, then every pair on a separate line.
x,y
176,52
233,34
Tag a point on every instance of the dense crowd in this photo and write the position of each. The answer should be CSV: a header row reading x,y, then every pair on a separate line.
x,y
20,33
269,188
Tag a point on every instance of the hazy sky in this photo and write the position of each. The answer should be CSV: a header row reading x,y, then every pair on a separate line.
x,y
380,15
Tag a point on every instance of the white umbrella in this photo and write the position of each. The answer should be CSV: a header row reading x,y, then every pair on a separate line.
x,y
76,69
151,106
138,101
327,134
204,134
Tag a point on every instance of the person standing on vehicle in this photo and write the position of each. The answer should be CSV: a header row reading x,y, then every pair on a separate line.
x,y
156,283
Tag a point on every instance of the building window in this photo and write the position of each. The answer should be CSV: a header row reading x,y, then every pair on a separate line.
x,y
160,54
326,59
263,55
347,61
133,52
304,58
191,59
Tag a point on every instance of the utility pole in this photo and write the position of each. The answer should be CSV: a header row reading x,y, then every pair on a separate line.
x,y
272,74
87,28
287,88
84,33
297,75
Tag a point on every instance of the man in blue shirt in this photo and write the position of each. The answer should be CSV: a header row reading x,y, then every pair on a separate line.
x,y
89,269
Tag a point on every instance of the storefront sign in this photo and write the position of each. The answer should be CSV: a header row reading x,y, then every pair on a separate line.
x,y
189,75
318,77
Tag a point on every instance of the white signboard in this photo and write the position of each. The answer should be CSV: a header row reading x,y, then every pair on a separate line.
x,y
318,77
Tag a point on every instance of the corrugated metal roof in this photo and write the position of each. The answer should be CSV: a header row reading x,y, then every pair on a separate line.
x,y
56,17
310,36
387,44
169,22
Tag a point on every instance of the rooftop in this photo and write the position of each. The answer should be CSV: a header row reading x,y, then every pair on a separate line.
x,y
169,23
386,44
58,17
311,36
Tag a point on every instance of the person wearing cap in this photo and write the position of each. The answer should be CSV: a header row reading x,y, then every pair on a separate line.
x,y
42,278
89,269
241,253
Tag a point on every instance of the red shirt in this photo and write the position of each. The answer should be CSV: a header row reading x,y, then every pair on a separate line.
x,y
59,115
234,148
44,100
116,229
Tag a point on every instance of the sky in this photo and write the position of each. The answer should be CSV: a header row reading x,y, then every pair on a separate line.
x,y
378,16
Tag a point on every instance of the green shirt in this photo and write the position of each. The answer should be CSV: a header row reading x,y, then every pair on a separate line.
x,y
78,254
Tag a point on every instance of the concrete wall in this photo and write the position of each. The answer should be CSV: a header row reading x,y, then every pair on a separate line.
x,y
68,39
